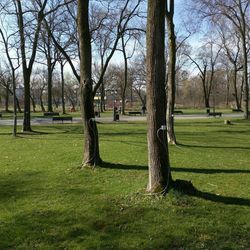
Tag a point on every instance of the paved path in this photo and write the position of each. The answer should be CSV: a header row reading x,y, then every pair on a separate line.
x,y
39,121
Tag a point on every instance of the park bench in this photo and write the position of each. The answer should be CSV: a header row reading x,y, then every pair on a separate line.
x,y
237,110
214,114
134,113
178,112
61,118
50,113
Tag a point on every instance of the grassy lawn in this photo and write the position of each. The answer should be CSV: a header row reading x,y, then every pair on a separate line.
x,y
48,202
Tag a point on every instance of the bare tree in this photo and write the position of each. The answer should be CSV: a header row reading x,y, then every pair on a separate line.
x,y
91,155
237,12
158,157
47,48
230,43
28,65
205,62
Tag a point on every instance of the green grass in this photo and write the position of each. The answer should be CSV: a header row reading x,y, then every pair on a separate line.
x,y
48,202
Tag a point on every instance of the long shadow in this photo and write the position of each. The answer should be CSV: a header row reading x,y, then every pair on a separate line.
x,y
222,199
187,188
7,133
125,133
207,146
176,169
122,166
210,171
61,130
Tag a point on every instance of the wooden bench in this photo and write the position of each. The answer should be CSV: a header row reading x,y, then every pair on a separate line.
x,y
50,113
134,113
178,112
215,114
62,118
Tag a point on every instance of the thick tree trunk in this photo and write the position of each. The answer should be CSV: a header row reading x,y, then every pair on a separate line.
x,y
245,75
158,158
91,155
171,85
26,115
207,102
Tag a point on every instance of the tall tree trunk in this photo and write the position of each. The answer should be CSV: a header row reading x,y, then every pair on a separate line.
x,y
91,155
238,106
206,94
26,115
245,77
171,85
14,133
50,106
124,88
158,157
62,87
102,91
102,103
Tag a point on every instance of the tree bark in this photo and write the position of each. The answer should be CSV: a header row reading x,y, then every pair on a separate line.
x,y
49,68
171,85
91,155
125,84
158,157
245,75
62,87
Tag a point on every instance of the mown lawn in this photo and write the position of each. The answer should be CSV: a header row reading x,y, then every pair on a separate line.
x,y
48,202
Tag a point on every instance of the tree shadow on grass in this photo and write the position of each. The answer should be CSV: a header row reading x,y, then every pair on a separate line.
x,y
210,171
60,130
176,169
17,185
187,187
122,166
211,146
6,133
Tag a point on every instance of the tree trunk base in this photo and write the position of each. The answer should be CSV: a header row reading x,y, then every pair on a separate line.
x,y
182,186
92,164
